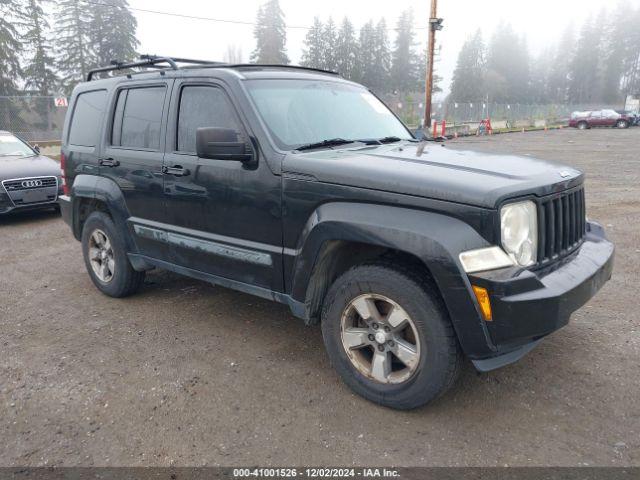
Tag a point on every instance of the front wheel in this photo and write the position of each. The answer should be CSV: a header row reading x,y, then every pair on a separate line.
x,y
105,257
622,124
389,337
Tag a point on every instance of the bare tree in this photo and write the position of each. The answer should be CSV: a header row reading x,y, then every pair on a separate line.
x,y
233,54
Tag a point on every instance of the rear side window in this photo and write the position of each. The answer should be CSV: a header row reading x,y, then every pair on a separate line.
x,y
138,118
202,106
86,121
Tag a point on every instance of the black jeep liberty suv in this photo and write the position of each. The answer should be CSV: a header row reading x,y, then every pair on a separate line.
x,y
301,187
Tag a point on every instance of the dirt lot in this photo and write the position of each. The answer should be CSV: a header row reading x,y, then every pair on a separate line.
x,y
190,374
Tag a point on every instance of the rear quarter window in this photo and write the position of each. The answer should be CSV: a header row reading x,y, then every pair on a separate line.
x,y
86,121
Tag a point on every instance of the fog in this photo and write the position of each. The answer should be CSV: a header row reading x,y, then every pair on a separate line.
x,y
541,21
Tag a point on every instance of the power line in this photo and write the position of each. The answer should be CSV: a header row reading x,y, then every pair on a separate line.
x,y
207,19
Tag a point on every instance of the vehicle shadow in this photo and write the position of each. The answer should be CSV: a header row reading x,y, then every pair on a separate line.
x,y
287,338
32,216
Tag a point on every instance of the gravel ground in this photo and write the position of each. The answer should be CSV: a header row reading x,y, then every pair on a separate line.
x,y
186,373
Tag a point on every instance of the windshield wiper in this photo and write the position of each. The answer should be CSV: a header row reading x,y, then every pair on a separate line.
x,y
389,139
380,141
332,142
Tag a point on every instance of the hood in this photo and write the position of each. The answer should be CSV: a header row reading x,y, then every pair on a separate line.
x,y
468,177
24,167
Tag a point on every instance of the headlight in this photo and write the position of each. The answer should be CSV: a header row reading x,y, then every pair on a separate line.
x,y
519,232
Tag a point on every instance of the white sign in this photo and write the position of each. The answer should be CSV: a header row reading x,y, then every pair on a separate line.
x,y
61,102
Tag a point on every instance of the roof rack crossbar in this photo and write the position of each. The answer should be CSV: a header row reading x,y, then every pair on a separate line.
x,y
146,61
156,61
182,60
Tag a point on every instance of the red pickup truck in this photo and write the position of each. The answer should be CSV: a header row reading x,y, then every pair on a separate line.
x,y
600,118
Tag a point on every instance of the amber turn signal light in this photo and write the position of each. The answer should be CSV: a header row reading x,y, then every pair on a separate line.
x,y
483,300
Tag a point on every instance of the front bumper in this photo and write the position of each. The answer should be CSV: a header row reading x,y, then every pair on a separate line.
x,y
8,207
528,305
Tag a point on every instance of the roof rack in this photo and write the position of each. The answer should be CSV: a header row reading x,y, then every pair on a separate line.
x,y
148,61
172,62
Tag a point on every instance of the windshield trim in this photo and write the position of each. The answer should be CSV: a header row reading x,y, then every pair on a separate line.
x,y
339,80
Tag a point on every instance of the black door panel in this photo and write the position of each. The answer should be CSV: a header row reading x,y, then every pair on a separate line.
x,y
225,215
133,156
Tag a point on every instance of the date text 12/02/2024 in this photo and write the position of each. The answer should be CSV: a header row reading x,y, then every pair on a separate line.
x,y
315,473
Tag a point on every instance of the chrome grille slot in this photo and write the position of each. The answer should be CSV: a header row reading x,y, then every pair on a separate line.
x,y
29,183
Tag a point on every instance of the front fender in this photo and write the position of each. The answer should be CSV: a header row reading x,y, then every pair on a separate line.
x,y
434,238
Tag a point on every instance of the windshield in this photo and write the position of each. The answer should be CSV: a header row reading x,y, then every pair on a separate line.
x,y
302,112
11,146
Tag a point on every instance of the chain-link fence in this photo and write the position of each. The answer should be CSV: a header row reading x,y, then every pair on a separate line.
x,y
510,115
36,118
33,118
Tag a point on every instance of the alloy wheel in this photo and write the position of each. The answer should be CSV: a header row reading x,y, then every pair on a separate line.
x,y
380,339
101,256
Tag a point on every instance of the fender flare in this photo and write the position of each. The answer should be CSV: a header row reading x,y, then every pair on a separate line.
x,y
434,238
108,192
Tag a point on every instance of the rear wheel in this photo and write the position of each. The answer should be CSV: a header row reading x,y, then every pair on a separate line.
x,y
622,124
105,257
389,337
583,125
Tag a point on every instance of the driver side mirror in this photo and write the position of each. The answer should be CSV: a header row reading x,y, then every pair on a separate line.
x,y
222,144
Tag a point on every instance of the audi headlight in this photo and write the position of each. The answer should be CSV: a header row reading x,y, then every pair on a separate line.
x,y
519,232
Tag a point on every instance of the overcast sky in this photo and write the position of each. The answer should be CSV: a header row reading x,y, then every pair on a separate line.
x,y
541,20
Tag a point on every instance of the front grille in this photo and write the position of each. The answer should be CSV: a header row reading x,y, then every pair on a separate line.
x,y
561,224
29,183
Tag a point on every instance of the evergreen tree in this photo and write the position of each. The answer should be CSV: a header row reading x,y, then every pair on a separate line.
x,y
404,61
468,80
422,72
39,72
112,33
75,57
329,43
270,34
313,52
558,81
367,58
10,48
382,55
507,78
347,51
540,77
631,58
615,42
584,80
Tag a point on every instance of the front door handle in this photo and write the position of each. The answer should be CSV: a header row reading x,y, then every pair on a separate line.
x,y
108,162
176,171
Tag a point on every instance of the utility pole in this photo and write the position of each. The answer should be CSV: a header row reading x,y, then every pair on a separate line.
x,y
435,24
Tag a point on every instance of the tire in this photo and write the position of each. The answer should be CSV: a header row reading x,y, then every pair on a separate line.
x,y
622,124
583,126
437,358
120,279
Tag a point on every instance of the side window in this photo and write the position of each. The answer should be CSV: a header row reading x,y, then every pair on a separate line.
x,y
202,106
86,122
138,118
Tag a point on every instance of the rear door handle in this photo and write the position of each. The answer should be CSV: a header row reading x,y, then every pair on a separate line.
x,y
176,171
108,162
